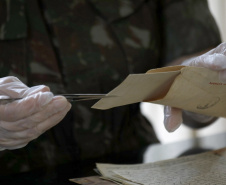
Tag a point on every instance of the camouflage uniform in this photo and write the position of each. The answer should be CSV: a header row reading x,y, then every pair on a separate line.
x,y
90,46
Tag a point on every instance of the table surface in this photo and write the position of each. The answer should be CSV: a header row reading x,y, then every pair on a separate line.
x,y
61,174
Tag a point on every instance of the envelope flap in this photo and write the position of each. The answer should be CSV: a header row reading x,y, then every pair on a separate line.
x,y
165,69
137,88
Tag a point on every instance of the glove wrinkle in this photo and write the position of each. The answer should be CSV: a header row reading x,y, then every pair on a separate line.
x,y
26,119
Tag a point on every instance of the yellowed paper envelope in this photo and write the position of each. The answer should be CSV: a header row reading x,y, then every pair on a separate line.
x,y
190,88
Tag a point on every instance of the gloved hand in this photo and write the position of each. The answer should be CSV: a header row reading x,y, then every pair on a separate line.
x,y
215,59
24,120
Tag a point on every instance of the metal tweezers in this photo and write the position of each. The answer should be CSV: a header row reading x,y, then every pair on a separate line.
x,y
69,97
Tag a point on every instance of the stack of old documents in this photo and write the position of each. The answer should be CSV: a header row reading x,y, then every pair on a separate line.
x,y
205,168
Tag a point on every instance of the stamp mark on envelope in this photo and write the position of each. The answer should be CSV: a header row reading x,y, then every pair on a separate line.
x,y
208,104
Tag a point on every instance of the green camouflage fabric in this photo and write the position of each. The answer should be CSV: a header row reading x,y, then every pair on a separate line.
x,y
90,46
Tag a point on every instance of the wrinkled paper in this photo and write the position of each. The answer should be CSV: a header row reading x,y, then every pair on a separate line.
x,y
205,168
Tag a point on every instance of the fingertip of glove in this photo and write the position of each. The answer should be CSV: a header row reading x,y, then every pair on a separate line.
x,y
172,118
45,98
61,102
172,128
170,125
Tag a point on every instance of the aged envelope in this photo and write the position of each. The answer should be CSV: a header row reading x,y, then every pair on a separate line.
x,y
194,89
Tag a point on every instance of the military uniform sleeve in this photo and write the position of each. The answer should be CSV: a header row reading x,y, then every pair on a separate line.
x,y
13,23
13,34
187,28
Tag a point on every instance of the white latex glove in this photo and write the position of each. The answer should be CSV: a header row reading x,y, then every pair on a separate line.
x,y
215,59
24,120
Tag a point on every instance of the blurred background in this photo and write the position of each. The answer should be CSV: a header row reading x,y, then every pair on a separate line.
x,y
217,7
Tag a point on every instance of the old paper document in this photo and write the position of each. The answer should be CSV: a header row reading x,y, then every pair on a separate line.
x,y
194,89
205,168
93,180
